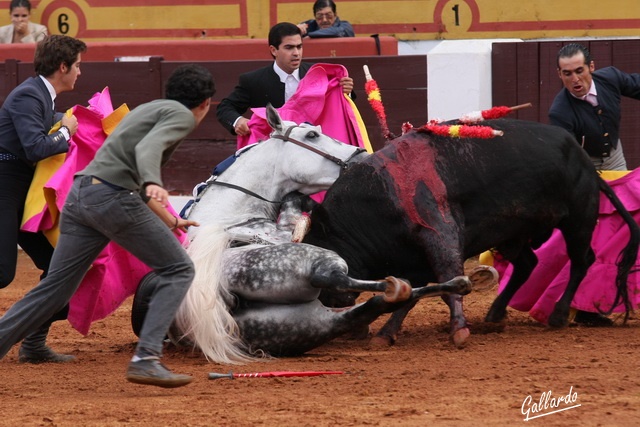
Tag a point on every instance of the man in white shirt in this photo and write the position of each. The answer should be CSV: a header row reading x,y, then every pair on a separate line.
x,y
273,84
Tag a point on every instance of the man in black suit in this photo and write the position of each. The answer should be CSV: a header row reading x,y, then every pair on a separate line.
x,y
272,84
26,117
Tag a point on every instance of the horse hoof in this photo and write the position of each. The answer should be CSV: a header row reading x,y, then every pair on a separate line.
x,y
460,337
397,290
380,341
303,224
483,277
558,321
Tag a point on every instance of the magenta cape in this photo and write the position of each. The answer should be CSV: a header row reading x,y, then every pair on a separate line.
x,y
319,100
548,281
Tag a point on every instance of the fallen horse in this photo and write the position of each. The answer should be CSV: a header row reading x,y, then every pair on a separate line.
x,y
273,298
254,299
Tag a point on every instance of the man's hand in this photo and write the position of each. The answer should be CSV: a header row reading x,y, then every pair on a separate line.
x,y
71,122
242,127
158,194
303,28
347,85
183,224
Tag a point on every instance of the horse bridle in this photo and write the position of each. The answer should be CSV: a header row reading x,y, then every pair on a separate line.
x,y
342,163
287,138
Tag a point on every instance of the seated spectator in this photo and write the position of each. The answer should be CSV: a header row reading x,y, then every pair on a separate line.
x,y
21,30
326,22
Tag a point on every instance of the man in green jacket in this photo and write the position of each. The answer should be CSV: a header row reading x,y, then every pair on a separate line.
x,y
119,197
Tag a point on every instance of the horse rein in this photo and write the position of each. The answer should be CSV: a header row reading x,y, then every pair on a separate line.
x,y
342,163
242,189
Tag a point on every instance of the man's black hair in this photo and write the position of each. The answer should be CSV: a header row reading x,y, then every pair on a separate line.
x,y
190,85
282,30
572,49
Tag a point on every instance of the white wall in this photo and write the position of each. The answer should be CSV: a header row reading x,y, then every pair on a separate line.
x,y
458,74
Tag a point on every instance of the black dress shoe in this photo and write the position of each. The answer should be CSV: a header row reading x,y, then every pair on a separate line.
x,y
151,372
587,318
43,355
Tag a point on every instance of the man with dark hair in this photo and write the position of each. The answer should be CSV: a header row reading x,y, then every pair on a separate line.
x,y
326,22
589,105
273,84
26,117
119,197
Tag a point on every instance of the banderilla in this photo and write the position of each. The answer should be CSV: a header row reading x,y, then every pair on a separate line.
x,y
231,375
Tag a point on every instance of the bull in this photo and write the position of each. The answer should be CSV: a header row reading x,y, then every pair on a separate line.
x,y
423,204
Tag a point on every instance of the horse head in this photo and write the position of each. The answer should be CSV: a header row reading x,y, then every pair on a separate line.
x,y
316,159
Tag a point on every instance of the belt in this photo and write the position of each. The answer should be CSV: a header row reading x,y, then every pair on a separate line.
x,y
8,156
96,180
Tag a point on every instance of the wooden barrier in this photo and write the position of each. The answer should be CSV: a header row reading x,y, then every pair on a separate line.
x,y
215,50
402,80
527,72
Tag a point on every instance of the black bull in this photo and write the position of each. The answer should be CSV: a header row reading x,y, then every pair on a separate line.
x,y
422,205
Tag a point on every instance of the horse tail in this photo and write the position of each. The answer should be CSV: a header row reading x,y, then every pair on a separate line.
x,y
627,257
204,317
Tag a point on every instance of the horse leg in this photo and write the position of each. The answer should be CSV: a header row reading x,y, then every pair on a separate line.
x,y
394,289
460,285
523,265
374,307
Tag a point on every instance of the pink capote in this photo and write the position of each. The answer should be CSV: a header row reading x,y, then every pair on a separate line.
x,y
539,294
319,100
115,274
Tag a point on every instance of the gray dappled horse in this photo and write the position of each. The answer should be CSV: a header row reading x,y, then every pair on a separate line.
x,y
253,299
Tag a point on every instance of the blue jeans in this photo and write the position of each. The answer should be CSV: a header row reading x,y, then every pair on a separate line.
x,y
93,215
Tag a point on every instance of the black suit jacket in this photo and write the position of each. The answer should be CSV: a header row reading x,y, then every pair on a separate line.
x,y
25,120
597,129
256,88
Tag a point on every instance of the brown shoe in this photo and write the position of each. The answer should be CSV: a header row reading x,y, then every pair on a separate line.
x,y
151,372
43,355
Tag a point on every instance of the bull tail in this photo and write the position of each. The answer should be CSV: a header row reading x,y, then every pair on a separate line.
x,y
627,257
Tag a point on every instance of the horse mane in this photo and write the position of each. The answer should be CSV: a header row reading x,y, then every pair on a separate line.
x,y
204,316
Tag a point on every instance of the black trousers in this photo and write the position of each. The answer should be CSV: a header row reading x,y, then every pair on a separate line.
x,y
15,179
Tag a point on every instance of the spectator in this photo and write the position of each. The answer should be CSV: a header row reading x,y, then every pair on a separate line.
x,y
26,117
21,30
589,105
326,22
119,197
272,84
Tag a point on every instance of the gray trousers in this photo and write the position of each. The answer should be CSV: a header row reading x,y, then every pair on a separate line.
x,y
615,161
93,215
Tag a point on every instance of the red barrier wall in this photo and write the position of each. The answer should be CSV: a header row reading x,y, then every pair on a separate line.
x,y
215,50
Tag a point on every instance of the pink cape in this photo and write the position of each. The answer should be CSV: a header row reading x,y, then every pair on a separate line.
x,y
319,100
547,283
115,274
